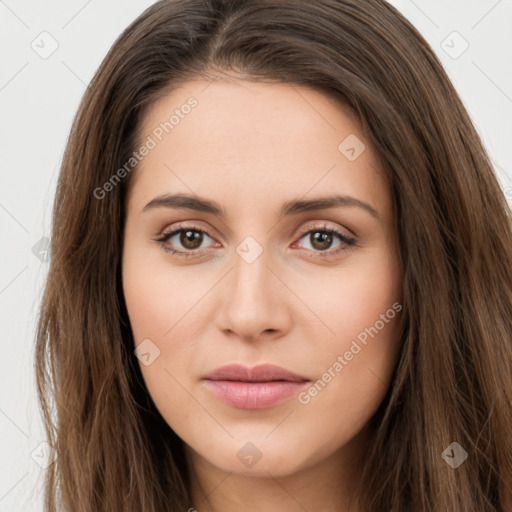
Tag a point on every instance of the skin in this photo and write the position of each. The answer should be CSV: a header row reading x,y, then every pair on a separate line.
x,y
252,147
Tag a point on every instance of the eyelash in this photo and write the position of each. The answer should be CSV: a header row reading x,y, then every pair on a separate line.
x,y
349,241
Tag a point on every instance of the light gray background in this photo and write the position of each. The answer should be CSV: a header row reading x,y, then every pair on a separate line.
x,y
38,99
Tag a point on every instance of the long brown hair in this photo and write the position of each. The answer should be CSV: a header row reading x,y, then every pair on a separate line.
x,y
453,378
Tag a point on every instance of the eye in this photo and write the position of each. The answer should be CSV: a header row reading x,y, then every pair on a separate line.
x,y
321,239
190,238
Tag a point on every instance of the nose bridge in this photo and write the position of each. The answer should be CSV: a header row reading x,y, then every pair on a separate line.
x,y
250,298
250,274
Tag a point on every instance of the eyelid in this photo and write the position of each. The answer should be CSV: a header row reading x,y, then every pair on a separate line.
x,y
192,225
324,226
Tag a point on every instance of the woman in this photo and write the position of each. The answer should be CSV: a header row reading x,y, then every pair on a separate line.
x,y
202,347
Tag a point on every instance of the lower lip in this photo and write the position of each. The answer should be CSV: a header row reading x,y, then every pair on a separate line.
x,y
253,395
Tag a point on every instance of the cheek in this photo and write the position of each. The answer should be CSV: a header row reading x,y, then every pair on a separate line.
x,y
354,367
156,296
351,300
158,313
352,378
163,307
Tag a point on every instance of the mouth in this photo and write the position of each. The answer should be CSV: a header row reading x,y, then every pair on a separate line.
x,y
253,388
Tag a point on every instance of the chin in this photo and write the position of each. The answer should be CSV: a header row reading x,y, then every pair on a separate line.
x,y
260,458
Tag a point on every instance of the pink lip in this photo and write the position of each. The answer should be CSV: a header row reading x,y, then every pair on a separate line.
x,y
253,388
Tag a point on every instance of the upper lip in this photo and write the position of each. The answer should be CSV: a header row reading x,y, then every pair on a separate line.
x,y
260,373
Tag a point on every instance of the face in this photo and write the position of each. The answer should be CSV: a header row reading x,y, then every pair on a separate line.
x,y
285,254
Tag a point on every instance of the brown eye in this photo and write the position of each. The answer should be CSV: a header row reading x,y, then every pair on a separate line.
x,y
183,241
320,240
191,239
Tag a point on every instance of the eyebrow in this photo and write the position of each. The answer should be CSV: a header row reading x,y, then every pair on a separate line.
x,y
294,207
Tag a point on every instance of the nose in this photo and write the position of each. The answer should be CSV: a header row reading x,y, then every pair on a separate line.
x,y
253,301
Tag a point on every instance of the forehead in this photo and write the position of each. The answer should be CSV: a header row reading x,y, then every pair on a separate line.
x,y
253,139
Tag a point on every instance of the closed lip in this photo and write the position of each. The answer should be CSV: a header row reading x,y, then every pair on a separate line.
x,y
260,373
